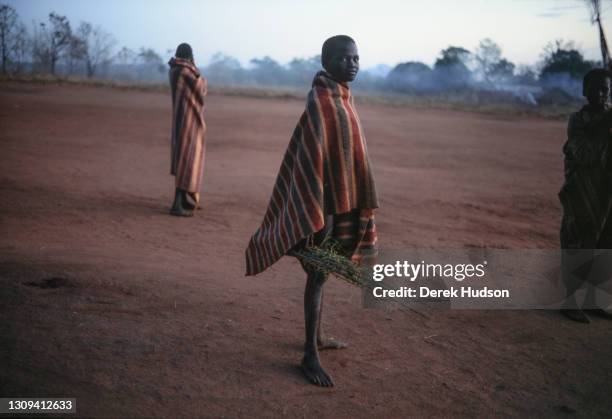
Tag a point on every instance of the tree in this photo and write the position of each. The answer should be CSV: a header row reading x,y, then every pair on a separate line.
x,y
302,70
502,70
98,46
51,41
491,66
410,76
487,54
148,56
224,69
77,50
564,58
453,56
124,61
151,64
225,62
8,28
563,67
526,75
40,50
451,68
125,56
60,37
19,47
268,71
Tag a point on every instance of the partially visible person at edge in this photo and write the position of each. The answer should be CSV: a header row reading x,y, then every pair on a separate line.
x,y
324,187
188,88
586,195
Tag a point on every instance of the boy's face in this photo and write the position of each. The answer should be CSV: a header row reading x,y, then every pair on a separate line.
x,y
344,62
598,92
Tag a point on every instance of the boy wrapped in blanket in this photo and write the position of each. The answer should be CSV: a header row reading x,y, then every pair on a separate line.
x,y
324,188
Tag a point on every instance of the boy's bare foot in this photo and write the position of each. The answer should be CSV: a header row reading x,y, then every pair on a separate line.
x,y
188,205
181,207
314,372
575,315
601,313
181,212
330,343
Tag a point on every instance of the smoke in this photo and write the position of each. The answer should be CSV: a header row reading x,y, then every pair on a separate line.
x,y
408,79
481,75
454,81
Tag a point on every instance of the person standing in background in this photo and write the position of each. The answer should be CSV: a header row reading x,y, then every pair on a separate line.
x,y
586,194
188,88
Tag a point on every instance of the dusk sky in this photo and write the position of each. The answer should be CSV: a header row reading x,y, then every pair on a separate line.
x,y
386,31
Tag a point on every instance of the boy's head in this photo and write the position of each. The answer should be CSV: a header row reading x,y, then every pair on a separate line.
x,y
340,58
596,87
184,51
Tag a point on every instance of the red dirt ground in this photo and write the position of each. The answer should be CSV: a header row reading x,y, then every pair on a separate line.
x,y
155,316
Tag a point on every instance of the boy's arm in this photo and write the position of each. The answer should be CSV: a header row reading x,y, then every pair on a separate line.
x,y
316,238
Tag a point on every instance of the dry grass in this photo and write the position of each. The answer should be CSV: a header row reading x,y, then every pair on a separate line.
x,y
329,259
466,103
79,81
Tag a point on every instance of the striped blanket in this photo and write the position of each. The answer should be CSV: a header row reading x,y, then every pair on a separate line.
x,y
188,126
325,170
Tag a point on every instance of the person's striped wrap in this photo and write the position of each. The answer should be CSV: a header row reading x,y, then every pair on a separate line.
x,y
189,88
325,170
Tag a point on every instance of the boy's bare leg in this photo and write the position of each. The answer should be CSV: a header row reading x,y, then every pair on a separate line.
x,y
311,364
325,342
